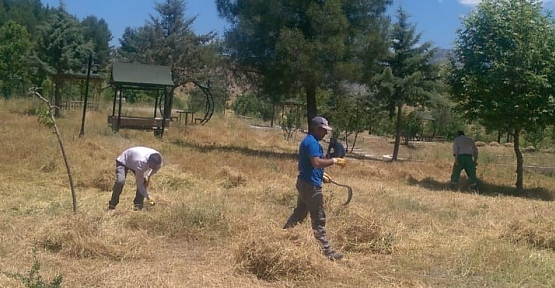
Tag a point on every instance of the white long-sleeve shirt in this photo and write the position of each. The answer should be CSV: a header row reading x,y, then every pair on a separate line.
x,y
136,159
465,145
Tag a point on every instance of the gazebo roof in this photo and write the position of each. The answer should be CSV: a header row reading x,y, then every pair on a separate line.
x,y
141,75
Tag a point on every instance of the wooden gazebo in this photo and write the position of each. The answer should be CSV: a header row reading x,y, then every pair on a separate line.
x,y
133,76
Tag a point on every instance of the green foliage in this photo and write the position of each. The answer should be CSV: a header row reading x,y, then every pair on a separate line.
x,y
504,65
301,45
30,33
97,31
446,122
61,48
535,137
249,105
502,71
348,114
290,122
409,77
28,13
15,45
43,117
33,279
198,98
168,39
412,125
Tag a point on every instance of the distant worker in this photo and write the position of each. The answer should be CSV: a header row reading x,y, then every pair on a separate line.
x,y
335,148
311,164
466,157
143,162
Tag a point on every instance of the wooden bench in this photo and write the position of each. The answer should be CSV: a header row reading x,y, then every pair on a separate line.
x,y
140,123
186,116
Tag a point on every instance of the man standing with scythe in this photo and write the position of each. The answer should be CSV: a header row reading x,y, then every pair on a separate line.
x,y
309,184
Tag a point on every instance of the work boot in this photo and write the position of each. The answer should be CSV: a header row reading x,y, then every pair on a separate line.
x,y
111,207
137,207
332,255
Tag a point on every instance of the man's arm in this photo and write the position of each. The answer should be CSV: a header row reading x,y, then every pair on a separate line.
x,y
475,153
456,151
139,179
318,162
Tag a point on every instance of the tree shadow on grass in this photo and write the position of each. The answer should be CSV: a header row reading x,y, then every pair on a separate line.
x,y
208,148
485,188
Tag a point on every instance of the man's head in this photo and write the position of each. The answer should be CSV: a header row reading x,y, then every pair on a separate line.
x,y
460,133
319,126
155,160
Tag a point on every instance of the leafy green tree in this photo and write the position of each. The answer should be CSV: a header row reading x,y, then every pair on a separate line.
x,y
408,78
168,39
446,121
15,47
28,13
300,45
348,113
97,31
503,69
249,105
61,48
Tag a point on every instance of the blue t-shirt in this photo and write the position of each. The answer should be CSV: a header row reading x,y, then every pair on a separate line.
x,y
308,149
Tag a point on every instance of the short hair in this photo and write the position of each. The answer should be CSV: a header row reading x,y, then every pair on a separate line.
x,y
460,133
155,159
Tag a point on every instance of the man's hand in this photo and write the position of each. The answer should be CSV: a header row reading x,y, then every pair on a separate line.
x,y
340,161
145,182
151,201
326,178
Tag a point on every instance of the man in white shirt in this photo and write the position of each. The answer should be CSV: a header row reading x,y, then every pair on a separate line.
x,y
466,157
143,162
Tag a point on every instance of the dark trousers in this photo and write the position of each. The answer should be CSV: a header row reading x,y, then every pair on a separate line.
x,y
311,200
121,174
467,164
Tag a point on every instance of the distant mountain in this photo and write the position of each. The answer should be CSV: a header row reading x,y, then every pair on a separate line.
x,y
442,55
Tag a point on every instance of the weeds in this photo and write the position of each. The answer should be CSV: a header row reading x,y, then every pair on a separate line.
x,y
33,279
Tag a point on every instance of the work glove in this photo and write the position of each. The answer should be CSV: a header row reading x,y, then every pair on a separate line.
x,y
151,201
146,182
326,178
340,161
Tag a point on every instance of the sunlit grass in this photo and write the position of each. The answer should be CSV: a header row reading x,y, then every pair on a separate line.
x,y
226,190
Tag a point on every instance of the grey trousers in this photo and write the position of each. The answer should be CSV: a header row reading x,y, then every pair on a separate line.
x,y
311,200
121,174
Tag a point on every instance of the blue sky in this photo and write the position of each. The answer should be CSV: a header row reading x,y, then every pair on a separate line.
x,y
437,20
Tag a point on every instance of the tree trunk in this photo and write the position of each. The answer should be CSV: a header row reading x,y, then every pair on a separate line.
x,y
273,115
519,161
57,95
397,133
311,109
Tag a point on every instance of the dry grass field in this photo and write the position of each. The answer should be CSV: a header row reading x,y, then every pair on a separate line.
x,y
224,193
